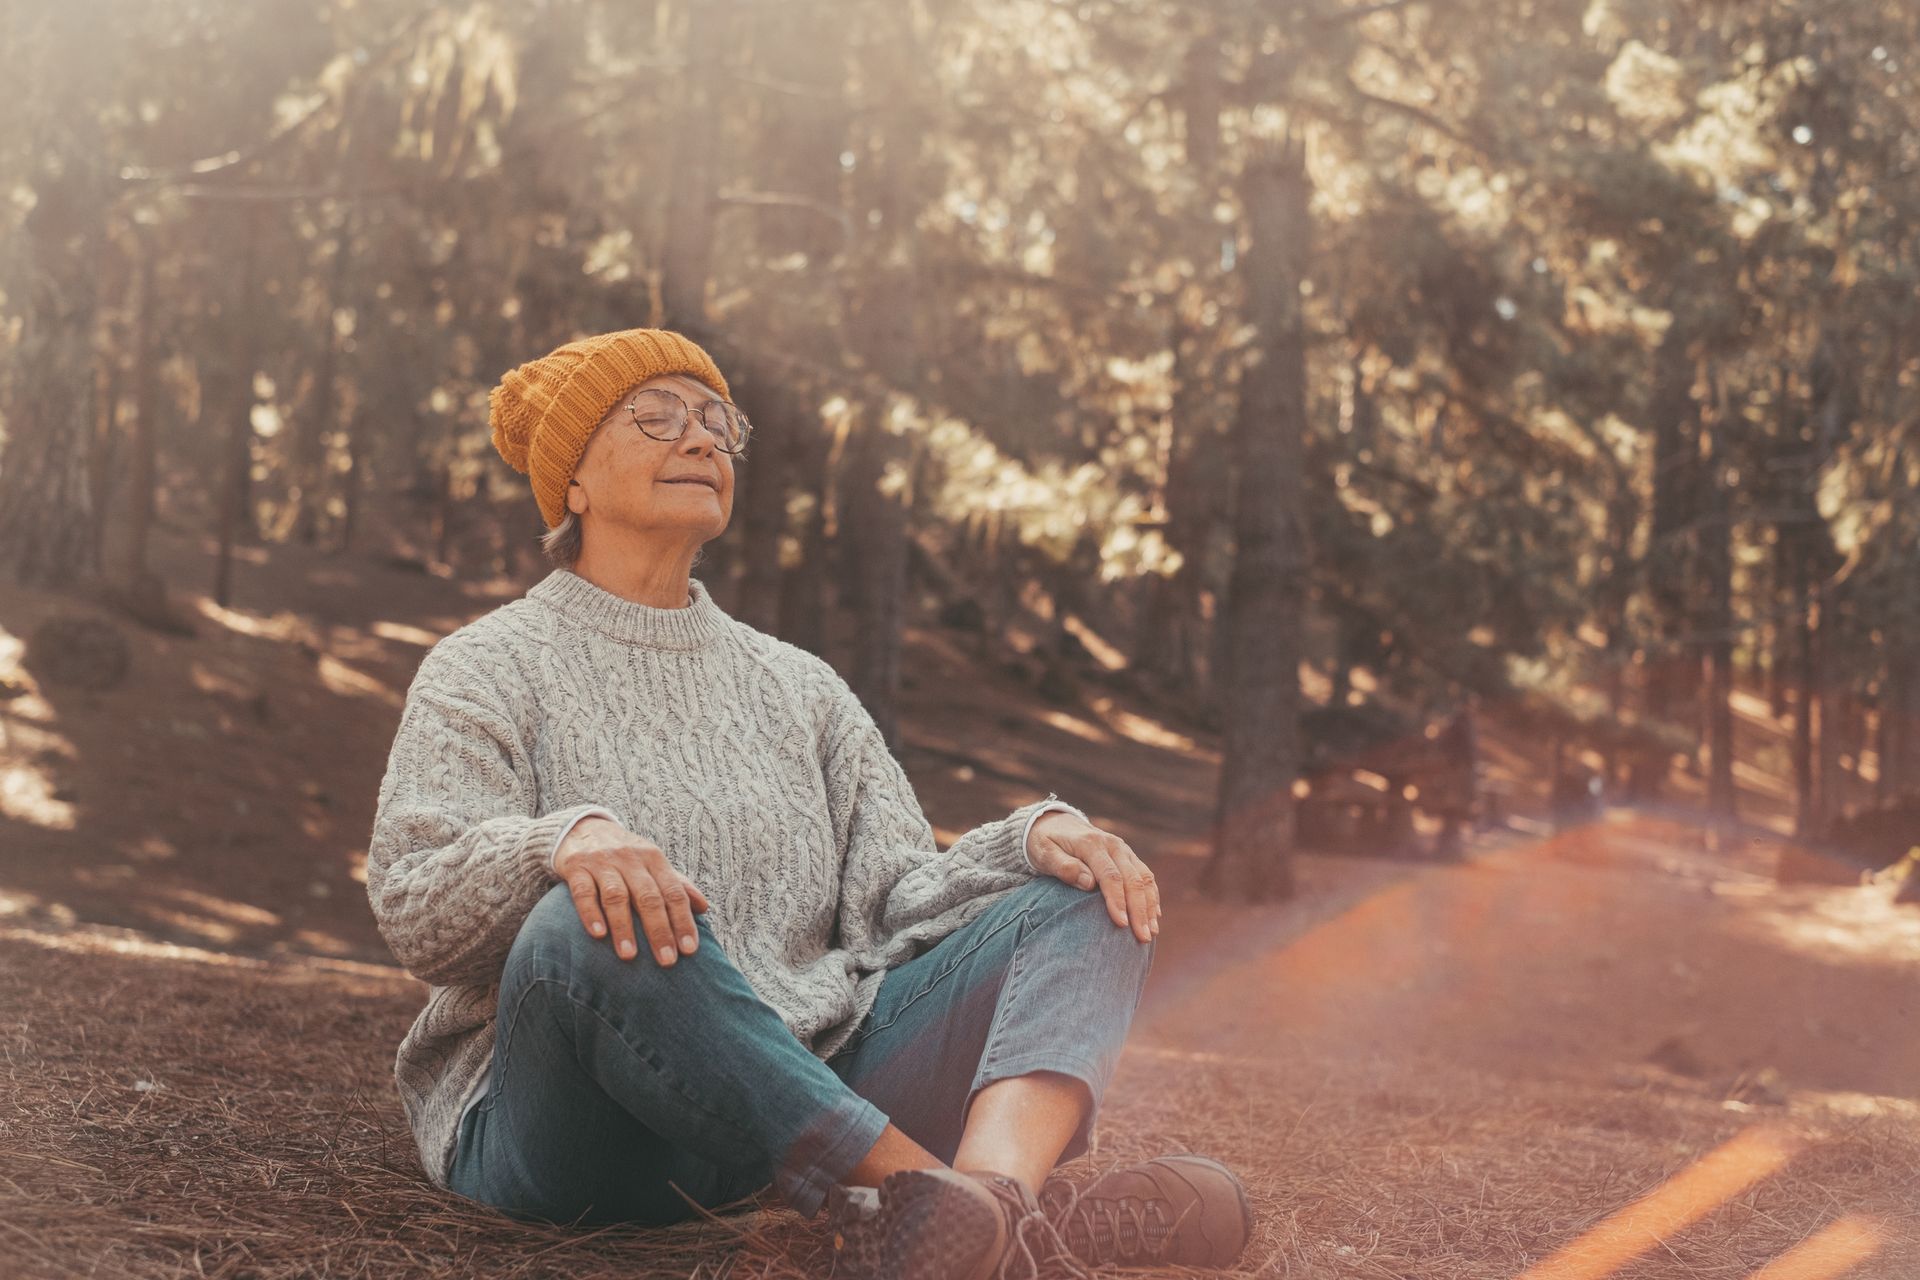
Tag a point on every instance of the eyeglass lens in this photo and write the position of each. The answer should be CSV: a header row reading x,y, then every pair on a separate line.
x,y
664,416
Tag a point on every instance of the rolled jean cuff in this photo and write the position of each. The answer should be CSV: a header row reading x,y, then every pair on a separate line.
x,y
1085,1070
843,1144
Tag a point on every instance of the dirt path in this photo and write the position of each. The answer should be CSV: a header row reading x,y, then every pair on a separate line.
x,y
1483,1064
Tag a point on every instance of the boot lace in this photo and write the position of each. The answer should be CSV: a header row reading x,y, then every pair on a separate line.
x,y
1115,1229
1034,1239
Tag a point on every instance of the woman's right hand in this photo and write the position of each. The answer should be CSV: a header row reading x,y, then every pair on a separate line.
x,y
612,874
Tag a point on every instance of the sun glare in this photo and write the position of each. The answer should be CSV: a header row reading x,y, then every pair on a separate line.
x,y
1671,1208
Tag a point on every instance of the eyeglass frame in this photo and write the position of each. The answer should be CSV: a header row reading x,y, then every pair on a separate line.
x,y
746,424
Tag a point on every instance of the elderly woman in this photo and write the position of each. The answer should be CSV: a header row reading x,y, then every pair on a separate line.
x,y
686,928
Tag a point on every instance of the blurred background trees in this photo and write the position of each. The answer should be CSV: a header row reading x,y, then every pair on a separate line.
x,y
1553,353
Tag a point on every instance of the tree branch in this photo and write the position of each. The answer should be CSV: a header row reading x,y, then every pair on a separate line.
x,y
792,88
226,162
262,193
1339,17
789,200
1419,114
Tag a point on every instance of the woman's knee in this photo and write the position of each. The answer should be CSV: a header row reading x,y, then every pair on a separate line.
x,y
553,926
1055,898
1082,914
554,944
1051,894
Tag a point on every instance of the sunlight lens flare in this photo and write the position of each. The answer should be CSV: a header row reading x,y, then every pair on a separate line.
x,y
1675,1205
1834,1250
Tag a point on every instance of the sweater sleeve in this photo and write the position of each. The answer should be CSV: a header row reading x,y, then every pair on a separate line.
x,y
459,856
898,894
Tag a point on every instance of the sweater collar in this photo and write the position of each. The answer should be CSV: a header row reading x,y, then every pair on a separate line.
x,y
693,626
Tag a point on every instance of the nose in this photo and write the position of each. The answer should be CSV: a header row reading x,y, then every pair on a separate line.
x,y
697,439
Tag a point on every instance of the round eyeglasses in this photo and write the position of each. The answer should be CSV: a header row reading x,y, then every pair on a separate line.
x,y
664,416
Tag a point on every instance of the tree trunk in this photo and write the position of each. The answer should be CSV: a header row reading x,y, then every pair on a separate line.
x,y
800,134
1722,797
1253,827
353,481
142,436
1615,595
1173,635
1883,741
1804,816
446,509
687,260
46,512
874,501
1830,787
106,450
1214,690
1902,765
310,444
1672,678
799,137
1340,679
1716,574
1830,392
885,333
762,501
803,588
876,525
236,501
1779,633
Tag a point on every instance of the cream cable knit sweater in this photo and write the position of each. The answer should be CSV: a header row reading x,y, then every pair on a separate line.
x,y
748,760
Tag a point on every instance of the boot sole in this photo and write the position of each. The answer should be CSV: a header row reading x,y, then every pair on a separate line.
x,y
924,1230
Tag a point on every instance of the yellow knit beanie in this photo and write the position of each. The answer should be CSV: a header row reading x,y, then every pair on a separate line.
x,y
543,412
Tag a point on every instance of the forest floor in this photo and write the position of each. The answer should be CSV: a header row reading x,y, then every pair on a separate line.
x,y
1619,1051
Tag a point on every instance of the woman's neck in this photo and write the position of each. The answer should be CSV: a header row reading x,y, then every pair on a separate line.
x,y
659,581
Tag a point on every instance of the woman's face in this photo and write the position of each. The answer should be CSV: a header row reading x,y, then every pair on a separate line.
x,y
629,480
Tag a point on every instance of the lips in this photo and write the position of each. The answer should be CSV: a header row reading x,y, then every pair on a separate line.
x,y
700,480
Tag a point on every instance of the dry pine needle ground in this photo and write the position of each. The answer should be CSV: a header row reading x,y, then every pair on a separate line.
x,y
176,1117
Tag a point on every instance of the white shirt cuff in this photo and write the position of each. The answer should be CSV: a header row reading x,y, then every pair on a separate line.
x,y
1052,803
567,830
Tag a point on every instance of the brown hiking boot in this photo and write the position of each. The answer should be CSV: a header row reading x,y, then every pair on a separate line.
x,y
1184,1210
936,1224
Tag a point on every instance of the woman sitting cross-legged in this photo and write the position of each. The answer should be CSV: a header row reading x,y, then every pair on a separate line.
x,y
687,929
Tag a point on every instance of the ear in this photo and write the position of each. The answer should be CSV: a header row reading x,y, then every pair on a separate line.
x,y
573,487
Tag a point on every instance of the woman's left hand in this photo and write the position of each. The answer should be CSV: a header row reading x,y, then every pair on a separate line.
x,y
1069,848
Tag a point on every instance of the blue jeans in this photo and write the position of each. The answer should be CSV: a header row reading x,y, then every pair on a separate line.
x,y
614,1078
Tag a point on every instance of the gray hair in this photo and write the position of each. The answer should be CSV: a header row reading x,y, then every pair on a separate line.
x,y
561,544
